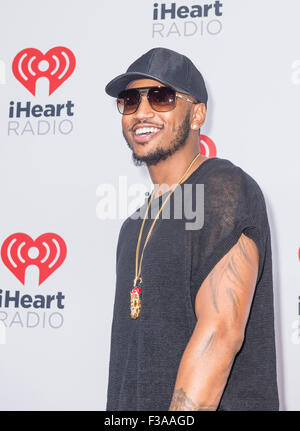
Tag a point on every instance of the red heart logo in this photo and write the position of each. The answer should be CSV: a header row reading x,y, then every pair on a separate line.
x,y
47,252
58,64
207,146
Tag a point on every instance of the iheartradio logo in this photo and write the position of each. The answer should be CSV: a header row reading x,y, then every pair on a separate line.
x,y
30,64
207,146
47,252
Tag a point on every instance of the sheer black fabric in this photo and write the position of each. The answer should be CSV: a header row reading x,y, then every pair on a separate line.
x,y
233,204
145,353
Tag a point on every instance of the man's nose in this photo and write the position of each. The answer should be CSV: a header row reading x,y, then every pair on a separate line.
x,y
144,110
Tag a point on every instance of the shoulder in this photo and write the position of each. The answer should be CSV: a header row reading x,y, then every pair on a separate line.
x,y
231,196
221,169
125,228
129,225
125,236
228,180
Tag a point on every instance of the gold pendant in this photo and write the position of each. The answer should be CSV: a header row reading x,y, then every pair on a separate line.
x,y
135,301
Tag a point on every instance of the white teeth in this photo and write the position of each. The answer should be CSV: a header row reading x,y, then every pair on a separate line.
x,y
144,130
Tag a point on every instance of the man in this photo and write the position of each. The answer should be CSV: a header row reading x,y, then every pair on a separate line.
x,y
193,325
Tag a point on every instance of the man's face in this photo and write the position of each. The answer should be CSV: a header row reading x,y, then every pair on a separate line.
x,y
173,128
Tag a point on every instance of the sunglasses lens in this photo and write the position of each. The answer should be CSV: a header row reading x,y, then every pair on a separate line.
x,y
162,98
128,101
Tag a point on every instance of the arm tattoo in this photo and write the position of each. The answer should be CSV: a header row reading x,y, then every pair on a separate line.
x,y
235,302
213,290
230,269
243,250
207,345
180,401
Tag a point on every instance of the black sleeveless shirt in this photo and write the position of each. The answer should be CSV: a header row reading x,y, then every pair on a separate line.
x,y
145,353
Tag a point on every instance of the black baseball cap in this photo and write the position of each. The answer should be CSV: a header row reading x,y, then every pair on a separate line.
x,y
166,66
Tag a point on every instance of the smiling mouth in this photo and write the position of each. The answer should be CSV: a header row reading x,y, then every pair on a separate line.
x,y
145,134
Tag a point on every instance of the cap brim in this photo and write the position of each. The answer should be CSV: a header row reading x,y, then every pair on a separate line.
x,y
118,84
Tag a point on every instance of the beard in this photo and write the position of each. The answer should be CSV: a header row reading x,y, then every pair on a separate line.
x,y
160,153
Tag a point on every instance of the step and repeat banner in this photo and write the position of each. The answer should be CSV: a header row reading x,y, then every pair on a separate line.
x,y
62,154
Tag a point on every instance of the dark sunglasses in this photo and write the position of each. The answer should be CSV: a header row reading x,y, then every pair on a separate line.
x,y
161,99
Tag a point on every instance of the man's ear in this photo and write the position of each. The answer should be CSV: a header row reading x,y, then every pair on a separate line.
x,y
198,116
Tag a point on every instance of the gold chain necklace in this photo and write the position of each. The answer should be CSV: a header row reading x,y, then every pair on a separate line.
x,y
136,292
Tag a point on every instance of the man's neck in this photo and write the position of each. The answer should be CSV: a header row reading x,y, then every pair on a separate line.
x,y
169,171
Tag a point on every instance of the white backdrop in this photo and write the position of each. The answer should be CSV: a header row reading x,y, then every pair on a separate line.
x,y
54,162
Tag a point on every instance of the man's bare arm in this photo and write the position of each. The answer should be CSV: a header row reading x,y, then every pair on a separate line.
x,y
222,308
